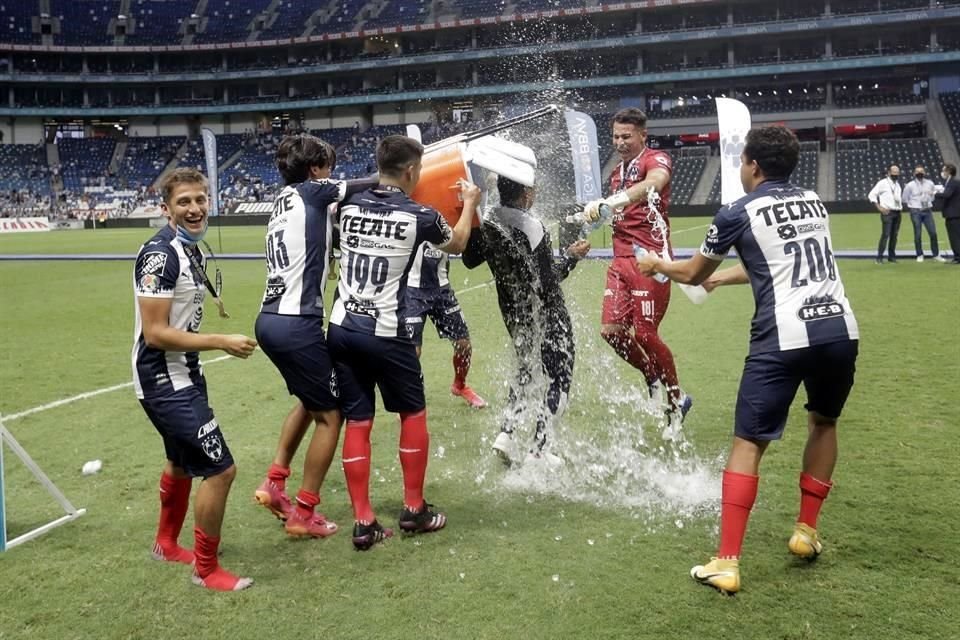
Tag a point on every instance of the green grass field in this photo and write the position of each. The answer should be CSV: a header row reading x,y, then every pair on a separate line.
x,y
602,550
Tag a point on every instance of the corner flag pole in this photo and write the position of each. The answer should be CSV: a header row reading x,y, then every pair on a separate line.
x,y
72,512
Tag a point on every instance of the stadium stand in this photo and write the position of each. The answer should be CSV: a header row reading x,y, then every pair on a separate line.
x,y
227,145
229,20
860,163
144,159
16,21
951,109
686,173
23,168
85,161
157,23
83,22
805,175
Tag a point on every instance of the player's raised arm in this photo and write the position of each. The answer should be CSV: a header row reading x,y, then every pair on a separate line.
x,y
461,231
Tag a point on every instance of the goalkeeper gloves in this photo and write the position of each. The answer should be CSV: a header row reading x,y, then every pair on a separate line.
x,y
597,212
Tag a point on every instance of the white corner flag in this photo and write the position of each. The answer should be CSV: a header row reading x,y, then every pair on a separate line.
x,y
734,120
210,156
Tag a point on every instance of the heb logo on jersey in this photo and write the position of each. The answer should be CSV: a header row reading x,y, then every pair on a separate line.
x,y
819,309
361,308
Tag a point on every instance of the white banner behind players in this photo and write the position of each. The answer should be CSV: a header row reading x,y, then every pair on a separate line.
x,y
23,225
734,120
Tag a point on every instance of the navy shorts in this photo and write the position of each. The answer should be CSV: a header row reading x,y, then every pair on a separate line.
x,y
364,362
771,380
191,434
297,347
443,309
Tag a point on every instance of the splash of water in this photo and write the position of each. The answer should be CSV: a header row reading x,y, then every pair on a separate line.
x,y
625,455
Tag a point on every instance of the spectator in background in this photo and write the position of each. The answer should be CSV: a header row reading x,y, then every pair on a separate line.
x,y
886,196
951,208
918,198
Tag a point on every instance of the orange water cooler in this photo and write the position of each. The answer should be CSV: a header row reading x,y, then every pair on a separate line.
x,y
440,177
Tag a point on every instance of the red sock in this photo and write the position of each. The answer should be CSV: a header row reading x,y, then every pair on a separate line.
x,y
660,358
306,501
739,494
629,349
205,549
174,501
461,366
414,454
356,468
812,494
278,475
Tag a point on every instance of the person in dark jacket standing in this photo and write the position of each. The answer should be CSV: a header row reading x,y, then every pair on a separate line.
x,y
950,203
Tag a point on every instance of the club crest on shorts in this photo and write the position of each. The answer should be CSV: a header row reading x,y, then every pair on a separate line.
x,y
213,447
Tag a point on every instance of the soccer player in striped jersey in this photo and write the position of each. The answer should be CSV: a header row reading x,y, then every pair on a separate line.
x,y
803,331
380,232
429,294
289,327
170,285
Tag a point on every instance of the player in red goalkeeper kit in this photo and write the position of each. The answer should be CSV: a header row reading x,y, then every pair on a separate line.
x,y
634,304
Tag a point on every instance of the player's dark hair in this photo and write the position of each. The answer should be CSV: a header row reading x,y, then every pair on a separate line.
x,y
631,115
775,149
297,154
181,175
951,169
396,153
510,192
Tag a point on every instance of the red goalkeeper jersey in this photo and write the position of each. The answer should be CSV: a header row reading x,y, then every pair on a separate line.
x,y
631,226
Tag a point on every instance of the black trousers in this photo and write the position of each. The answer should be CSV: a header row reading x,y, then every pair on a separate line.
x,y
888,234
953,233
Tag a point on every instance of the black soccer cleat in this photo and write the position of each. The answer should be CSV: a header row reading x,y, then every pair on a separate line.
x,y
367,535
423,520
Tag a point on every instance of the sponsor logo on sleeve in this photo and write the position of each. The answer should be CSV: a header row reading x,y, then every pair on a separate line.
x,y
153,262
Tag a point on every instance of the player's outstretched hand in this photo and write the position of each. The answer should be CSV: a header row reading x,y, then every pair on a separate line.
x,y
579,249
647,264
239,346
469,192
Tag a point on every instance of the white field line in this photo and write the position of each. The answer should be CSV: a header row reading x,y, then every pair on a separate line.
x,y
84,396
117,387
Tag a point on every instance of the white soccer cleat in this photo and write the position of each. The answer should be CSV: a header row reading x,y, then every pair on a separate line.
x,y
939,258
919,258
506,448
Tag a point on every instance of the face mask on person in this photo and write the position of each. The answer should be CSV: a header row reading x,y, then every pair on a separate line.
x,y
895,177
189,238
919,175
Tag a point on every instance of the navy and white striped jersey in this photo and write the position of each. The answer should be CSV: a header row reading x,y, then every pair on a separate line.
x,y
163,270
380,232
430,268
782,235
298,245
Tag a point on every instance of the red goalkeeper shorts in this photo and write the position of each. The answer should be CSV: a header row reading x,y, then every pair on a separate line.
x,y
631,298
